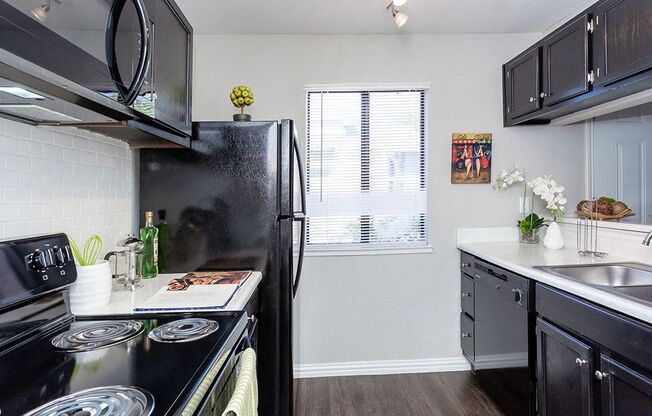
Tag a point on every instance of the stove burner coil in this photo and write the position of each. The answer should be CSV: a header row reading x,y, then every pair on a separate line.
x,y
100,401
97,335
184,330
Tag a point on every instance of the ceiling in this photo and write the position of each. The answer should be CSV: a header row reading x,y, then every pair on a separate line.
x,y
370,16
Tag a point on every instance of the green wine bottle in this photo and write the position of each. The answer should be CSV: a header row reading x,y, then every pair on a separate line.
x,y
149,236
163,241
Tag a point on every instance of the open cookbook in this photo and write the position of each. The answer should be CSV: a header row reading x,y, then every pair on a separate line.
x,y
196,291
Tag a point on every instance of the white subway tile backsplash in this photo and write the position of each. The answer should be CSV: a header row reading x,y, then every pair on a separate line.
x,y
15,229
64,180
30,180
17,196
19,130
17,162
61,139
42,135
8,213
8,178
30,148
8,145
80,143
43,166
71,155
52,152
29,212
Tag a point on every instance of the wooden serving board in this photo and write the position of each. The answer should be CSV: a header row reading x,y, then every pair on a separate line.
x,y
626,213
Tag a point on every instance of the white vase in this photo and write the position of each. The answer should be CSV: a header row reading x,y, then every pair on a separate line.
x,y
553,239
92,289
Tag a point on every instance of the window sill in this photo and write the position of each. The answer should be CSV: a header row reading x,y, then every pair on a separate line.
x,y
368,252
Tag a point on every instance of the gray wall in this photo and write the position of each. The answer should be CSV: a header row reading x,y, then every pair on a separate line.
x,y
393,307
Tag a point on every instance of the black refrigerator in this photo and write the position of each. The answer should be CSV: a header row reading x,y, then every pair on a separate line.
x,y
236,201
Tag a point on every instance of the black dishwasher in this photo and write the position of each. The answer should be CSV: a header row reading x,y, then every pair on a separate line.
x,y
504,348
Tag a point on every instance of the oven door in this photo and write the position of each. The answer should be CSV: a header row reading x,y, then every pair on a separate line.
x,y
101,45
215,391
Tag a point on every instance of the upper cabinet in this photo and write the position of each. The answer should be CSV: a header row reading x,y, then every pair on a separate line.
x,y
603,54
622,39
522,84
566,62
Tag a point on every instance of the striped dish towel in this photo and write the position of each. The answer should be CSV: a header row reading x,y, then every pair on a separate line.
x,y
244,401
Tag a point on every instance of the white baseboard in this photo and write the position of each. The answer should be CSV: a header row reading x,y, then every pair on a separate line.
x,y
367,368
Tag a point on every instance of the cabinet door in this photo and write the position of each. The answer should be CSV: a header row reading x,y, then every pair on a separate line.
x,y
625,392
523,84
622,47
467,336
566,62
172,67
564,370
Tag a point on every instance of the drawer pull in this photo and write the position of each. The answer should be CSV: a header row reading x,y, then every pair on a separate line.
x,y
466,335
466,295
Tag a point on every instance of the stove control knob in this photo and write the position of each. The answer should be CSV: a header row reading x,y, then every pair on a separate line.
x,y
67,253
59,256
39,260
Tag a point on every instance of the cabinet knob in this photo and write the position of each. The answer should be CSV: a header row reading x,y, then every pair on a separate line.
x,y
600,375
543,95
531,99
466,295
580,362
466,335
466,265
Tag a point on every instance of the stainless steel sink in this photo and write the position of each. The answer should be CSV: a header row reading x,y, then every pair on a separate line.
x,y
614,275
629,279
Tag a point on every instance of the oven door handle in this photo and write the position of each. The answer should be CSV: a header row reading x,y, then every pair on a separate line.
x,y
128,94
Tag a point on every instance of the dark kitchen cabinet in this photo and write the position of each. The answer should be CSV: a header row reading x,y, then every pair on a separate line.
x,y
624,391
564,370
601,55
172,66
622,39
522,80
611,349
566,62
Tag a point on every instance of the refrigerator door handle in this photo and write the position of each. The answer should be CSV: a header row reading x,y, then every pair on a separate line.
x,y
302,179
302,248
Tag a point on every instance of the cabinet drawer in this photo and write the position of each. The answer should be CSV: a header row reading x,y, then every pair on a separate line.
x,y
468,295
467,263
467,327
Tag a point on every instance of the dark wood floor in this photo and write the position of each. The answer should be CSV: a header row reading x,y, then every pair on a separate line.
x,y
434,394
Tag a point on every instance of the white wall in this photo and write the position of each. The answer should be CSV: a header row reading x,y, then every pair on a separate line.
x,y
392,307
64,180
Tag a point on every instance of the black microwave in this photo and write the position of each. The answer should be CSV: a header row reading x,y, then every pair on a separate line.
x,y
136,53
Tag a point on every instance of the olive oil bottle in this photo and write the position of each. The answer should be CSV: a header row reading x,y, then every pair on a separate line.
x,y
149,236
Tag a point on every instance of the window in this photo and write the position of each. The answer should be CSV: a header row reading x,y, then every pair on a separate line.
x,y
366,169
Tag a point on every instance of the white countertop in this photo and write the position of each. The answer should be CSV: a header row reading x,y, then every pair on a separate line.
x,y
521,258
124,301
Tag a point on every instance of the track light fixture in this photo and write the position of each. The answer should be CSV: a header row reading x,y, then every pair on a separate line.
x,y
400,18
41,12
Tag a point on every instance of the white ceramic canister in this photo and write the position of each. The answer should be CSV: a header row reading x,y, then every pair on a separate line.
x,y
92,289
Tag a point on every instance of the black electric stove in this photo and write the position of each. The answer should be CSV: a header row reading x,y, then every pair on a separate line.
x,y
52,363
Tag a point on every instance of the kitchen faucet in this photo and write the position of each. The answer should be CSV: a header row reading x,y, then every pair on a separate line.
x,y
648,239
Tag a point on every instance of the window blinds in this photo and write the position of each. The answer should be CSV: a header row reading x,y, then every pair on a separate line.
x,y
366,169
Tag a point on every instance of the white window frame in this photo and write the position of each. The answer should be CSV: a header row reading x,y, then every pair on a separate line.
x,y
359,249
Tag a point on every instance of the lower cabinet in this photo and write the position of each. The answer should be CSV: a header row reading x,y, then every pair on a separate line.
x,y
590,361
564,367
624,392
